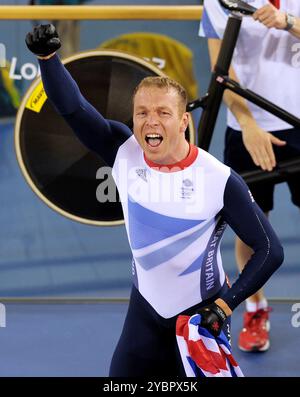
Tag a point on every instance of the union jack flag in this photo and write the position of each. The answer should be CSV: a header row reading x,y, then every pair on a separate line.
x,y
275,3
203,355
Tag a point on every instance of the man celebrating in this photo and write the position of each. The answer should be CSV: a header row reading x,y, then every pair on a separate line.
x,y
177,200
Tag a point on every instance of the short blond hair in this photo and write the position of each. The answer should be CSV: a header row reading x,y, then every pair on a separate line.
x,y
164,83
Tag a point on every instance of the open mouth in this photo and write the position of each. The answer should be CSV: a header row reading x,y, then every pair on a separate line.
x,y
153,140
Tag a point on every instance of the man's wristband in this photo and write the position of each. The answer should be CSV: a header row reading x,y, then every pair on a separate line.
x,y
290,21
45,57
220,312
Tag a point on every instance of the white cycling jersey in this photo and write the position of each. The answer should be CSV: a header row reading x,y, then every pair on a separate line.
x,y
173,227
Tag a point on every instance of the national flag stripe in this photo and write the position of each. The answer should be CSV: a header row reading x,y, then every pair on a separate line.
x,y
201,353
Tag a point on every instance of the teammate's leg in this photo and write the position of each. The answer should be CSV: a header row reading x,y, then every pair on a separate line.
x,y
254,335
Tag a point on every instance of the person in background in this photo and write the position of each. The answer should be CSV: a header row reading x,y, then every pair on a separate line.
x,y
263,62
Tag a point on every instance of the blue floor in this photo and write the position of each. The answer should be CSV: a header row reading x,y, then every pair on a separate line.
x,y
77,340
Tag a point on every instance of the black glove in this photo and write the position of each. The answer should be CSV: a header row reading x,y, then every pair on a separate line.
x,y
43,40
212,318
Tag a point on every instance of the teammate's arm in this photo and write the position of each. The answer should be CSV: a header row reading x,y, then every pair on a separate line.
x,y
257,141
271,17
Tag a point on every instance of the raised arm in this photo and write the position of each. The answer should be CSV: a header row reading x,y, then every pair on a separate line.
x,y
94,131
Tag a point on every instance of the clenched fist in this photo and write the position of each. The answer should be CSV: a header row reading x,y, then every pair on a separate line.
x,y
43,40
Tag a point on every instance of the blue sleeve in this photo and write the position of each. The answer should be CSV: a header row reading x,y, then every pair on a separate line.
x,y
214,20
97,133
248,221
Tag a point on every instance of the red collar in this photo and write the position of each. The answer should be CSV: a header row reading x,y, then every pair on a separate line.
x,y
180,165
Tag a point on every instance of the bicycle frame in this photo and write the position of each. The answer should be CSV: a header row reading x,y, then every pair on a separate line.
x,y
211,104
